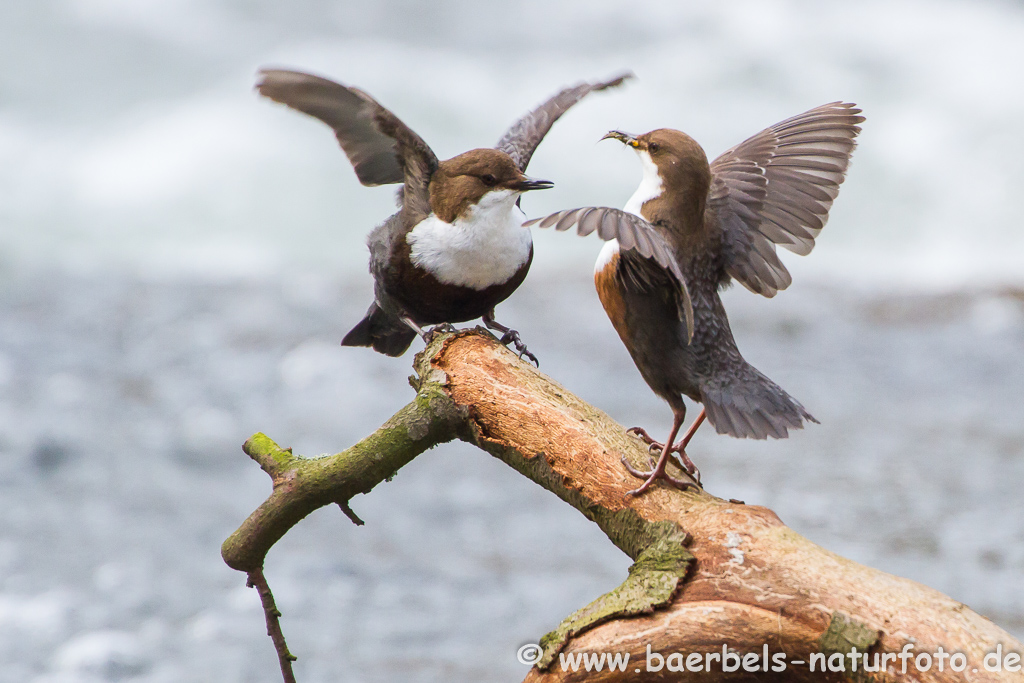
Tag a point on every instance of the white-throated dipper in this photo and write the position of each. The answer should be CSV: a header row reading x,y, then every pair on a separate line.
x,y
457,246
723,221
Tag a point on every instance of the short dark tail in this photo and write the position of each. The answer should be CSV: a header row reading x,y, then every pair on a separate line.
x,y
386,334
748,405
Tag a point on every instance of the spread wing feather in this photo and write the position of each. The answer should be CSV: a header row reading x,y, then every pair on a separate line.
x,y
520,141
382,149
633,233
776,188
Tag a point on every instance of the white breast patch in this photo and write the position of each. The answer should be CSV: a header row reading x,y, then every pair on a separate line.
x,y
485,247
650,186
608,252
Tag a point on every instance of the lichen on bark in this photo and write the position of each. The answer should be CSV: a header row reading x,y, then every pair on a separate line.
x,y
653,579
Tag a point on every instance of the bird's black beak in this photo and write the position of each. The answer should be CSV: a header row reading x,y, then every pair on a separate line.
x,y
624,138
527,184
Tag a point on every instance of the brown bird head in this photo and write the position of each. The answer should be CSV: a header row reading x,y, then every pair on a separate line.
x,y
462,181
680,164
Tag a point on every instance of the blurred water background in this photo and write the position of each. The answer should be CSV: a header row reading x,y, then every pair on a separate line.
x,y
178,261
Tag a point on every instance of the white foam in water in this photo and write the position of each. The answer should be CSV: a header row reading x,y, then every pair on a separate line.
x,y
192,154
168,154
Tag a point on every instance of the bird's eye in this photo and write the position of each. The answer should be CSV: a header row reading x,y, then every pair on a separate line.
x,y
653,147
489,180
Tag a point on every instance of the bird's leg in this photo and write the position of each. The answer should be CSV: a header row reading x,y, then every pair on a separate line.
x,y
680,447
415,328
658,472
509,336
427,335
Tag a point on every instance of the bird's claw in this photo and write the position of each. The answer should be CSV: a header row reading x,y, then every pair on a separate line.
x,y
653,475
641,434
676,450
443,328
639,474
687,465
512,337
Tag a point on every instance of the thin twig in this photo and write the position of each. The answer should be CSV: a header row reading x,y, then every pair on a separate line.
x,y
343,504
258,581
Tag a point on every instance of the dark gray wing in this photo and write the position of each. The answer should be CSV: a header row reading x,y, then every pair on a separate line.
x,y
776,188
633,234
521,140
382,149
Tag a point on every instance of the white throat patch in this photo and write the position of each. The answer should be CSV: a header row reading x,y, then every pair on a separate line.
x,y
650,186
483,248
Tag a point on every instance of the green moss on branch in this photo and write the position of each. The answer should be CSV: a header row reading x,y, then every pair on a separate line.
x,y
302,485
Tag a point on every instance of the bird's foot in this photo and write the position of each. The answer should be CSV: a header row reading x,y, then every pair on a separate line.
x,y
642,434
684,461
509,336
656,472
428,334
443,328
677,450
512,337
639,474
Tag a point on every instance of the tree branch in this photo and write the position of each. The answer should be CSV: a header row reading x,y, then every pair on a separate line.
x,y
302,485
258,581
708,572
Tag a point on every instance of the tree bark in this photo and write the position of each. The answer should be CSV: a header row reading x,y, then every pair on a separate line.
x,y
708,572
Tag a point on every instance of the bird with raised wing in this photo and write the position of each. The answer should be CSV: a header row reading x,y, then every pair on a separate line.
x,y
724,221
457,246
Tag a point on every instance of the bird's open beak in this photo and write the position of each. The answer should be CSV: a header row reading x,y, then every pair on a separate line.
x,y
527,184
624,138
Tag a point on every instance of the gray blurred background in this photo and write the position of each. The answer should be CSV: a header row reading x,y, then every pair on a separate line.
x,y
178,261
